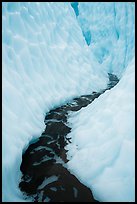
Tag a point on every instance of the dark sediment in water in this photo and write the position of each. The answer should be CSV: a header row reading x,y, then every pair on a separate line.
x,y
45,176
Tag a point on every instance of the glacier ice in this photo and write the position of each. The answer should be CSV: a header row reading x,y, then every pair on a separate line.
x,y
105,129
75,7
102,152
109,29
46,62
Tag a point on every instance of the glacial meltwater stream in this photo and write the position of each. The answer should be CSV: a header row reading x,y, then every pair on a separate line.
x,y
45,177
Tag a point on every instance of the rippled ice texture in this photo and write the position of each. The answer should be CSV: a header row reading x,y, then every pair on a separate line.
x,y
103,135
109,29
46,62
102,152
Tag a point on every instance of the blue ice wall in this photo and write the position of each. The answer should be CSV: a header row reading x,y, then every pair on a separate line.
x,y
109,30
75,7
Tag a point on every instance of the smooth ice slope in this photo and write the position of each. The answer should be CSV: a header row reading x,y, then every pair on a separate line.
x,y
102,153
109,29
45,63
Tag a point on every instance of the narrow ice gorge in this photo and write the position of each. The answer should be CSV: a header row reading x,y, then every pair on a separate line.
x,y
46,62
103,142
109,30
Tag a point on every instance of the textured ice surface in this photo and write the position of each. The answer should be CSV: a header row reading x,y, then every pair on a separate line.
x,y
102,152
108,28
45,62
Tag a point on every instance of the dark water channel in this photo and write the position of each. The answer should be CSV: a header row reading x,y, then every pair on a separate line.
x,y
45,177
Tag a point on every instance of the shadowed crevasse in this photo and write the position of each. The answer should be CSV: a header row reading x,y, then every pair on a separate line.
x,y
45,177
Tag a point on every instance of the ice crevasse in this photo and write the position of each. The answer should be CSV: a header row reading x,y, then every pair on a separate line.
x,y
102,152
46,62
109,30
